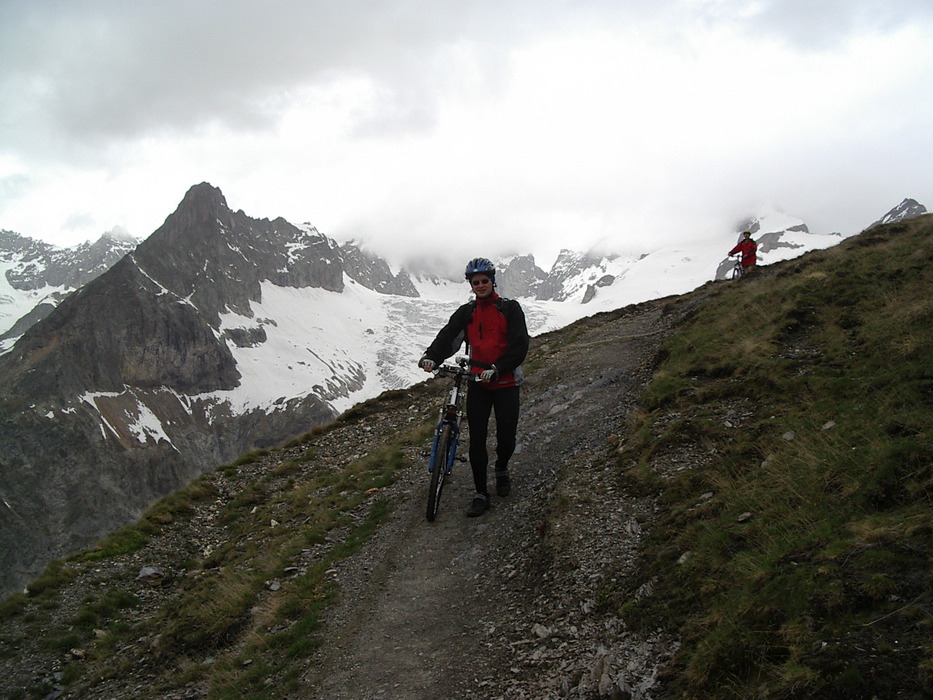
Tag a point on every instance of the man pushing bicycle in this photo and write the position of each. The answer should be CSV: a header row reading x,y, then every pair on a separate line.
x,y
749,250
497,337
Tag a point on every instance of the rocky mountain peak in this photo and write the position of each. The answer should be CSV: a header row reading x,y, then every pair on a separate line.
x,y
569,265
520,276
217,259
202,204
907,209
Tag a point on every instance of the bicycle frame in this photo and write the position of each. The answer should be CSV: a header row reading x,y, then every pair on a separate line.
x,y
737,269
447,432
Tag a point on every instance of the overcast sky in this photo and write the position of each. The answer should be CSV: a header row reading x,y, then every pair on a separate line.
x,y
466,128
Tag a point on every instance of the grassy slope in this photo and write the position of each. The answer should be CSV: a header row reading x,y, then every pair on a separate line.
x,y
794,557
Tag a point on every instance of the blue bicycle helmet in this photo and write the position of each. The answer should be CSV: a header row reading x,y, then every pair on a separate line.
x,y
479,265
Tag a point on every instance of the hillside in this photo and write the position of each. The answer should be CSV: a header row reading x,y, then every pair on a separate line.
x,y
721,494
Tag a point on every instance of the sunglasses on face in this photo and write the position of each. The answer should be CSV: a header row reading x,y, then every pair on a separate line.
x,y
477,283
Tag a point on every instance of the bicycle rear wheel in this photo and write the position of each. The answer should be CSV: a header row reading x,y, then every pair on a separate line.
x,y
439,473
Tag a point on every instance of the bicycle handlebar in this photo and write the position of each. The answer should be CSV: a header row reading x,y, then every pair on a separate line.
x,y
453,371
462,369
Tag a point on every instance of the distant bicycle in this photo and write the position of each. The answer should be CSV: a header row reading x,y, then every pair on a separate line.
x,y
447,433
738,270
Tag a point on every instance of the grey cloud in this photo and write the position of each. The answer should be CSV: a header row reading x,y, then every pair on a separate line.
x,y
94,71
105,69
826,24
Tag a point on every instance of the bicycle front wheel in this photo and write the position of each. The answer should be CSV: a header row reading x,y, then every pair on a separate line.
x,y
737,272
439,473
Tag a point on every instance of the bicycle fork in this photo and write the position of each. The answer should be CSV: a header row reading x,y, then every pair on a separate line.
x,y
447,459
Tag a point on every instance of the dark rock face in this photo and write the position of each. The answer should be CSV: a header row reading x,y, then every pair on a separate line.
x,y
373,272
63,480
120,331
604,281
521,277
772,241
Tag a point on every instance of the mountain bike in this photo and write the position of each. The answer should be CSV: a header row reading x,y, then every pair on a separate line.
x,y
738,270
447,433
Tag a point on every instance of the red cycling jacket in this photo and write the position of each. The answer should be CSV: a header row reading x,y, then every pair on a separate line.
x,y
748,248
497,335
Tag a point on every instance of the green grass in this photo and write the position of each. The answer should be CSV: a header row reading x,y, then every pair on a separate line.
x,y
215,606
298,621
56,575
215,614
809,389
97,610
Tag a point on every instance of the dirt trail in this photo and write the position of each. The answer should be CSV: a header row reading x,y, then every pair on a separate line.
x,y
502,605
408,616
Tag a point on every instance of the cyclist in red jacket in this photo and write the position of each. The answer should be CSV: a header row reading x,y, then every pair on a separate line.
x,y
749,249
497,336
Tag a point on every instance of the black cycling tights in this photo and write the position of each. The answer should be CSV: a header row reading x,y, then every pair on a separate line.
x,y
480,403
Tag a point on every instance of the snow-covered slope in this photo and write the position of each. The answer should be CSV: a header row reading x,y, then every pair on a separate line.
x,y
371,341
16,303
313,335
681,268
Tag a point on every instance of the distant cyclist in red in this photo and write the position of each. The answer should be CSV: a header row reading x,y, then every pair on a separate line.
x,y
495,330
749,249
